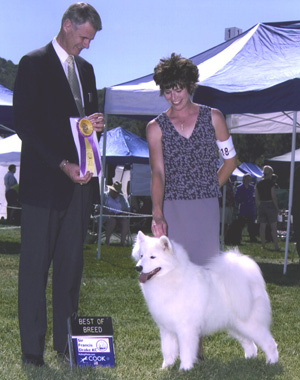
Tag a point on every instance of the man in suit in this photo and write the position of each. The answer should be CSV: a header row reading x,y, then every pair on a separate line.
x,y
56,200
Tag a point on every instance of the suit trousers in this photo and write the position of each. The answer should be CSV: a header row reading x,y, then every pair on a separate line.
x,y
54,237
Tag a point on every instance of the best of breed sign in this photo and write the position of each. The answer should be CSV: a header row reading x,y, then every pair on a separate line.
x,y
92,341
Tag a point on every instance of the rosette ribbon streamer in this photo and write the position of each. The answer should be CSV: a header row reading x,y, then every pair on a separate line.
x,y
89,153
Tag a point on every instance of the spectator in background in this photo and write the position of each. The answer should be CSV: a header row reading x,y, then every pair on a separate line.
x,y
115,203
245,198
267,206
275,179
229,205
11,193
296,209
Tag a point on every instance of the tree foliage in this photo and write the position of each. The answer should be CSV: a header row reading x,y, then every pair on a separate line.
x,y
8,72
257,148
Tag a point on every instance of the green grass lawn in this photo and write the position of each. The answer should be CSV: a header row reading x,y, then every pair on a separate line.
x,y
110,288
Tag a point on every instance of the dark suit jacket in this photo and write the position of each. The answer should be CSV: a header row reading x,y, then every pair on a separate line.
x,y
42,106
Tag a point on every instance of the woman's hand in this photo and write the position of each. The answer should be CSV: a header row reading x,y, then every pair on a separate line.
x,y
159,227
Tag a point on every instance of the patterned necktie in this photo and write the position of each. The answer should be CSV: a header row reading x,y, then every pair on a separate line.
x,y
74,84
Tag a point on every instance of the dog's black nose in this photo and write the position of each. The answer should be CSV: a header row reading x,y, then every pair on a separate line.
x,y
139,268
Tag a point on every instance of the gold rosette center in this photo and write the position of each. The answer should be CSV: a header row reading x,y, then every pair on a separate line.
x,y
85,127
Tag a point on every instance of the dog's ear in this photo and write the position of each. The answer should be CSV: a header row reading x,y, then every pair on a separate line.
x,y
137,246
165,243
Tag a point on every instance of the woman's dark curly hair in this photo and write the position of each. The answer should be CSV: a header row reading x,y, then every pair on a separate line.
x,y
176,71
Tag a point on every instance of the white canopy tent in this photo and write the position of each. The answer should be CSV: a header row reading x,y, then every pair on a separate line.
x,y
254,79
10,150
287,157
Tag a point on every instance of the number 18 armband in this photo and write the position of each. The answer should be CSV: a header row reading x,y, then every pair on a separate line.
x,y
226,148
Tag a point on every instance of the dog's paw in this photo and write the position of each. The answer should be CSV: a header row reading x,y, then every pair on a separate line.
x,y
168,363
186,366
250,350
272,357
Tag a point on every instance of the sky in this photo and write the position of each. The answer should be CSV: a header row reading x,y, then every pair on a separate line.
x,y
137,33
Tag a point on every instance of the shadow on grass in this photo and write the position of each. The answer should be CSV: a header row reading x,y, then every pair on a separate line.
x,y
66,373
9,248
273,273
236,369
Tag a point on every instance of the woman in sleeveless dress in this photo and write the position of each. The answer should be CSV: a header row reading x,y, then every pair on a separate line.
x,y
183,151
183,146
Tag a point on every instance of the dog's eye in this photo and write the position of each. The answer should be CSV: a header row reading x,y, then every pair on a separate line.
x,y
152,257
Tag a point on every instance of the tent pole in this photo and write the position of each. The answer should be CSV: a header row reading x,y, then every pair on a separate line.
x,y
290,192
102,183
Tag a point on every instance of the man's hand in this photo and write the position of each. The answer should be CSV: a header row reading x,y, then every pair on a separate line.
x,y
73,172
97,120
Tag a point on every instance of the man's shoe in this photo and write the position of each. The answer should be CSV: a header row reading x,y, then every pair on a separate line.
x,y
36,360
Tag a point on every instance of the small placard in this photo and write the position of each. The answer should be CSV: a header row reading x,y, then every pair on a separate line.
x,y
91,340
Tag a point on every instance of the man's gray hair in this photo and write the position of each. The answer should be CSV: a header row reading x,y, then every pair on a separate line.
x,y
80,13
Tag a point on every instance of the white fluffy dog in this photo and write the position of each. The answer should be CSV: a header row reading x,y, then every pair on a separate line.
x,y
188,301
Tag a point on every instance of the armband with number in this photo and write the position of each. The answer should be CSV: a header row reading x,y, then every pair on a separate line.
x,y
226,148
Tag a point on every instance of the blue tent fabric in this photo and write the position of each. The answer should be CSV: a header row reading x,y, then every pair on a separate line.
x,y
252,169
284,96
237,174
6,107
5,96
124,147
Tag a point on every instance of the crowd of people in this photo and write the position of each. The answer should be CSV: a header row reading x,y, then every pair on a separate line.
x,y
256,207
54,84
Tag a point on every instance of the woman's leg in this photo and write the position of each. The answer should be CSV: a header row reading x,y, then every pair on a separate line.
x,y
109,228
262,234
274,235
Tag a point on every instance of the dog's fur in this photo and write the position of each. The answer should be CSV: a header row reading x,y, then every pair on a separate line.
x,y
188,301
